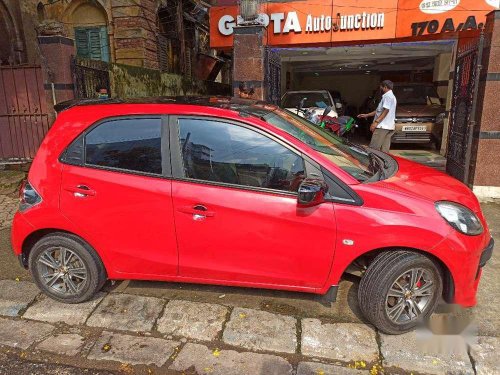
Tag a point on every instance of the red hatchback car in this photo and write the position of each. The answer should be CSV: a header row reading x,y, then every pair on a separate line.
x,y
220,191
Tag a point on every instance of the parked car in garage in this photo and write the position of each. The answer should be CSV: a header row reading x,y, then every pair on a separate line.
x,y
299,101
233,192
419,115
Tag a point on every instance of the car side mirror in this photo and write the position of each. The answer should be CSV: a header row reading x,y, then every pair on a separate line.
x,y
312,192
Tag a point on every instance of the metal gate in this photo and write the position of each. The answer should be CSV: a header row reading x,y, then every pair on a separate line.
x,y
88,75
273,76
463,107
24,119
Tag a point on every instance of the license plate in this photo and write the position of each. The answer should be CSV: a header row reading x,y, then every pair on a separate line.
x,y
414,128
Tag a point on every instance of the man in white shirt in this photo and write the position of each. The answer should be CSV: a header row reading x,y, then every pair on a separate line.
x,y
384,122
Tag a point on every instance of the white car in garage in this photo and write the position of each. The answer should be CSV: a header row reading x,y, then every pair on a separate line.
x,y
311,99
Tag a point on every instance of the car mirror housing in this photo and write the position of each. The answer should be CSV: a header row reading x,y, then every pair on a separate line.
x,y
312,192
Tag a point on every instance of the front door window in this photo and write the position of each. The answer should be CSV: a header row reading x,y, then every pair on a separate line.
x,y
227,153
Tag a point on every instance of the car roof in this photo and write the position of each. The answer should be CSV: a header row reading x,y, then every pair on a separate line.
x,y
223,102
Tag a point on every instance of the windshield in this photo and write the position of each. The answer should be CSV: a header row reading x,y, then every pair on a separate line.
x,y
352,158
414,94
314,99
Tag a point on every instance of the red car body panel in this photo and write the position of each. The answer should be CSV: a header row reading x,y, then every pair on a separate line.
x,y
141,229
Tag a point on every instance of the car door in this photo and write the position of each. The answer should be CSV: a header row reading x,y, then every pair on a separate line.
x,y
235,207
116,189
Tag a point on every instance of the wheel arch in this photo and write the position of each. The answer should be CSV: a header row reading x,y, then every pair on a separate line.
x,y
37,235
448,282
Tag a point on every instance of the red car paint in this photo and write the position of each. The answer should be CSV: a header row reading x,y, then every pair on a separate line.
x,y
141,227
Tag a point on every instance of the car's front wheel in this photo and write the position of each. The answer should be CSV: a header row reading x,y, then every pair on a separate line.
x,y
398,290
65,268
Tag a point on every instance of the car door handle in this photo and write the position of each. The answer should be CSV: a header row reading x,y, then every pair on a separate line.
x,y
80,191
198,211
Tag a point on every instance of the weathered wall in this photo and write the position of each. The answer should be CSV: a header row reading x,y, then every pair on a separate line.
x,y
12,41
130,81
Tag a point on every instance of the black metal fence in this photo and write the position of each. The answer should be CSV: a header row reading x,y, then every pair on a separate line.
x,y
88,76
463,107
272,76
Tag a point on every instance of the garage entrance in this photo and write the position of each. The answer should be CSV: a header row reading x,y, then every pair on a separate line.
x,y
352,74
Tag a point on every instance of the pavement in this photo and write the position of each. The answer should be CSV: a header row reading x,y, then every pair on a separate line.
x,y
140,327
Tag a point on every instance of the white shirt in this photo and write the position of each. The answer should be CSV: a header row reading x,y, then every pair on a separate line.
x,y
389,102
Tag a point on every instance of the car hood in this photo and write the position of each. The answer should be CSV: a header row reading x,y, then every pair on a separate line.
x,y
406,110
425,182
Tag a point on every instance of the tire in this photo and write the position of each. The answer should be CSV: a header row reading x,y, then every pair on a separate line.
x,y
416,304
75,279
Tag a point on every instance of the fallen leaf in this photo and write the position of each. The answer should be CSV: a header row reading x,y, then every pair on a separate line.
x,y
106,348
320,372
126,368
18,278
243,316
216,352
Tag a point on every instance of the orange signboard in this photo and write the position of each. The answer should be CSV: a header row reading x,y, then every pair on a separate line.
x,y
430,17
314,22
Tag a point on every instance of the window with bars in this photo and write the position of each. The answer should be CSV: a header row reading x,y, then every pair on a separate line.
x,y
92,43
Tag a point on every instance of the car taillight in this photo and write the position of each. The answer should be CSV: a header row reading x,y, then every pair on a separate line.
x,y
28,196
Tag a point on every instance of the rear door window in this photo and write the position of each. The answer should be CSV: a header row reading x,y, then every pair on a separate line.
x,y
126,144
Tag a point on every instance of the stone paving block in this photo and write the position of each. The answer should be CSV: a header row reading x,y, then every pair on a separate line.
x,y
16,296
22,333
261,330
228,362
127,312
200,321
436,354
132,349
339,341
486,355
65,344
315,368
8,207
48,310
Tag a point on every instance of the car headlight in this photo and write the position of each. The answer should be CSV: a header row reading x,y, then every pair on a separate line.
x,y
460,218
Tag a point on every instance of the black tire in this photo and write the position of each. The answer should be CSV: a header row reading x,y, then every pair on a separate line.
x,y
85,256
381,275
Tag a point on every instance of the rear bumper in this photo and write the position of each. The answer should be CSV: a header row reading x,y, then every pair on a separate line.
x,y
21,229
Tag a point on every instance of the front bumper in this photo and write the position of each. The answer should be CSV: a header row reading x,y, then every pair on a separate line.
x,y
411,137
486,254
466,269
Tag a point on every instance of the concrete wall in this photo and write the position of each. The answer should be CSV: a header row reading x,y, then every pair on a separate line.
x,y
130,81
441,76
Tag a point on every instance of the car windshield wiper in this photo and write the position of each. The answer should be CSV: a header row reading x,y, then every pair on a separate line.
x,y
376,160
379,158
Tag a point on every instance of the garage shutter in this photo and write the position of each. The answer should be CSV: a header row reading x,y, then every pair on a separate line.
x,y
92,43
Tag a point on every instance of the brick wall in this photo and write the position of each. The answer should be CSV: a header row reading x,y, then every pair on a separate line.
x,y
134,32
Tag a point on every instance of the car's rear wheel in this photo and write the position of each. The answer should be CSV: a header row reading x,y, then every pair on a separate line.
x,y
66,269
399,290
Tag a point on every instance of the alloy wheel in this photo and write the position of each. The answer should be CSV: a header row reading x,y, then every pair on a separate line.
x,y
62,270
410,295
